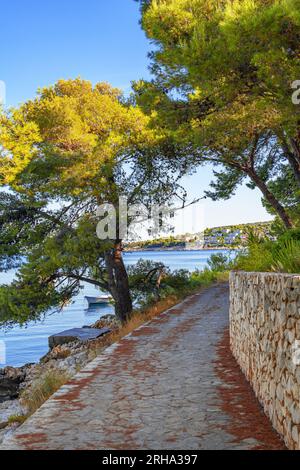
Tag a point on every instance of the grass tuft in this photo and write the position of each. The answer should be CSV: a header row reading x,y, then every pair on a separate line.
x,y
42,389
17,419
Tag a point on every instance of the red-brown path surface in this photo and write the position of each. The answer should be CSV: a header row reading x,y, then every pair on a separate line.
x,y
171,384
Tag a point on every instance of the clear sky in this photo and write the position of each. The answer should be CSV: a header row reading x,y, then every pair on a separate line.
x,y
98,40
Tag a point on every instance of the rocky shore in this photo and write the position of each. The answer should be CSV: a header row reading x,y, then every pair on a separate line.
x,y
69,358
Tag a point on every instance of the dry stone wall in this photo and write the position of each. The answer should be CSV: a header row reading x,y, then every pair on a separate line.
x,y
265,340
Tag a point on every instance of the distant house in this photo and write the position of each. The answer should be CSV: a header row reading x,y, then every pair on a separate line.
x,y
233,236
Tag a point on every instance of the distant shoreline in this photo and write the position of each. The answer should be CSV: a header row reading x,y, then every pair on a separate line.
x,y
212,248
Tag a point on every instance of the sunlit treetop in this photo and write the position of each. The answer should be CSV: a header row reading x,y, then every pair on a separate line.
x,y
226,51
80,130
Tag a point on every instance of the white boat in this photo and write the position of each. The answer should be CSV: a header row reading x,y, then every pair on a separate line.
x,y
102,300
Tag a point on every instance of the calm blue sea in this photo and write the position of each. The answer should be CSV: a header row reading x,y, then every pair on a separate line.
x,y
26,345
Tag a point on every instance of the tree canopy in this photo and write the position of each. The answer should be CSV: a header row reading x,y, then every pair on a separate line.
x,y
223,78
63,154
223,75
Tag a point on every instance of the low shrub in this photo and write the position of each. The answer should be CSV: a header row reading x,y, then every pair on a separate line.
x,y
42,389
286,257
151,282
282,255
256,257
220,262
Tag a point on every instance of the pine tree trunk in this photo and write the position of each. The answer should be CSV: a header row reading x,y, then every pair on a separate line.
x,y
293,156
295,166
118,282
296,148
279,209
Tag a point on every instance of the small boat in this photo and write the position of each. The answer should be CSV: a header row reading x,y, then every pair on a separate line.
x,y
102,300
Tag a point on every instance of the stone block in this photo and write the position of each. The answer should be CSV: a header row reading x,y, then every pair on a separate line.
x,y
76,334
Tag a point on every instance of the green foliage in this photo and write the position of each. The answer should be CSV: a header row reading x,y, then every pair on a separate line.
x,y
280,256
219,262
150,281
257,257
207,277
286,257
17,419
168,242
223,72
290,235
66,152
144,275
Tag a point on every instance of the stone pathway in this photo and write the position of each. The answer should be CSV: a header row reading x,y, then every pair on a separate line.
x,y
171,384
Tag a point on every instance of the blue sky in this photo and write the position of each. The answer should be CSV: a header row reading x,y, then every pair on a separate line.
x,y
98,40
43,41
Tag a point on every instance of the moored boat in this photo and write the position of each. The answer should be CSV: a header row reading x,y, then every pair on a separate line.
x,y
101,300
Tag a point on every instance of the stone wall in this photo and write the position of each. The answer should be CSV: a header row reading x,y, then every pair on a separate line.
x,y
264,331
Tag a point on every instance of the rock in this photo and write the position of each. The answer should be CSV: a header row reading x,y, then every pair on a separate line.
x,y
295,413
279,392
109,321
291,336
8,390
295,434
10,380
76,334
9,408
7,431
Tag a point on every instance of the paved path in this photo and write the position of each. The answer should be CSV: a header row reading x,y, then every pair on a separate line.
x,y
172,384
